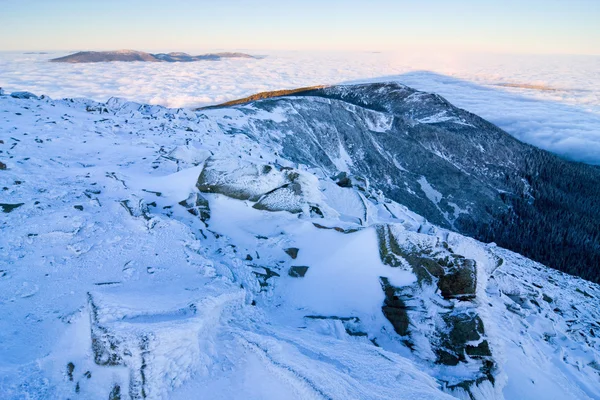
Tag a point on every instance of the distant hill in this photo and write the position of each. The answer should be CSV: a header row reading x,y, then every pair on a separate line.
x,y
133,55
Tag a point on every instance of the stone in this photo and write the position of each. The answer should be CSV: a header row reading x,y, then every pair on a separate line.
x,y
23,95
292,252
459,280
10,207
394,308
197,205
298,271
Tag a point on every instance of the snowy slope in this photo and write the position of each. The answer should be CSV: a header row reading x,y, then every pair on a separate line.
x,y
157,253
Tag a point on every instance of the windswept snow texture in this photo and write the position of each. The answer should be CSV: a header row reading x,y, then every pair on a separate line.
x,y
138,260
552,102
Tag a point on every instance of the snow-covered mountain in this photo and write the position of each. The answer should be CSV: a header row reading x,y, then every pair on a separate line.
x,y
256,251
446,164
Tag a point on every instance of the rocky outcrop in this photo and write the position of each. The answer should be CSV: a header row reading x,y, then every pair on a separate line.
x,y
298,271
269,187
197,205
457,335
126,334
23,95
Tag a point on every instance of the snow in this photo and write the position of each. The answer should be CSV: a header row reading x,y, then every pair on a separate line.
x,y
433,195
552,102
197,304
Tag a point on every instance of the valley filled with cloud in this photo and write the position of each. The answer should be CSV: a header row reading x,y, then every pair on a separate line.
x,y
552,102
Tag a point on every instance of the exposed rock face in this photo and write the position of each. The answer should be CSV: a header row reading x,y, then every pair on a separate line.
x,y
458,337
459,280
132,55
395,309
298,271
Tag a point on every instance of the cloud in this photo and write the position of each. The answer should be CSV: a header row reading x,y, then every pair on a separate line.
x,y
565,119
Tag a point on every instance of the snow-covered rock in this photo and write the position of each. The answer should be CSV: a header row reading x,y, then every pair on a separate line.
x,y
23,95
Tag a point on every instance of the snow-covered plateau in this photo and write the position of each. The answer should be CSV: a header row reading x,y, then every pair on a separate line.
x,y
150,253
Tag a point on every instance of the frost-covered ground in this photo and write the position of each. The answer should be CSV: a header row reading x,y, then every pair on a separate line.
x,y
150,253
559,110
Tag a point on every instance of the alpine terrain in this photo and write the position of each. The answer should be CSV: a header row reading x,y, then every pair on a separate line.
x,y
348,242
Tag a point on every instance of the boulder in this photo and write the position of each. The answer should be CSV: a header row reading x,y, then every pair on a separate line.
x,y
459,280
197,205
292,252
23,95
297,271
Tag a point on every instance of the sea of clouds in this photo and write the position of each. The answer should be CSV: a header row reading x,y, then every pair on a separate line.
x,y
561,113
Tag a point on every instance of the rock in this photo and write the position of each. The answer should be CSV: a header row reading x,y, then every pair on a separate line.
x,y
70,369
389,250
342,180
456,275
459,280
264,277
286,198
297,271
458,337
136,208
336,228
10,207
23,95
394,308
481,350
2,165
115,393
352,325
461,330
197,205
292,252
345,180
243,181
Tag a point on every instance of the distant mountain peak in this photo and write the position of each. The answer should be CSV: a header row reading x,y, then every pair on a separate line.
x,y
127,55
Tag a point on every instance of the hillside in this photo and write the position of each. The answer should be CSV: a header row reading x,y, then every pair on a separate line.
x,y
267,251
454,168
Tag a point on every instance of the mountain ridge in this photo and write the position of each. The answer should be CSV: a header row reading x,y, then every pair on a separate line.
x,y
486,168
134,55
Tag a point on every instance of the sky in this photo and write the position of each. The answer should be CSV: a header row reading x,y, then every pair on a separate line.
x,y
507,26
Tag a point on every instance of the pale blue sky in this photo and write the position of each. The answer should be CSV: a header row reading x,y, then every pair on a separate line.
x,y
515,26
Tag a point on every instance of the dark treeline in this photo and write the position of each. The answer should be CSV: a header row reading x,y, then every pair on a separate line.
x,y
558,222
